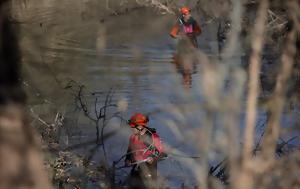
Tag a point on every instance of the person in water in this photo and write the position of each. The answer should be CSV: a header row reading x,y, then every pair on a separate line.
x,y
144,150
186,25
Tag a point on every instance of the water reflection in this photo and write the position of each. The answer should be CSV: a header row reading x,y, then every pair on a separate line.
x,y
185,61
185,68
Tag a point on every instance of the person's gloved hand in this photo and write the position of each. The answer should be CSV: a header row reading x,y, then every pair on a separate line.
x,y
150,160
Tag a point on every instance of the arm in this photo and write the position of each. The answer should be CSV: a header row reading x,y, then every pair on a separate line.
x,y
158,150
174,31
158,143
197,29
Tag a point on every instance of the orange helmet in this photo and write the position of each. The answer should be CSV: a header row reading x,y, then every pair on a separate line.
x,y
185,10
138,119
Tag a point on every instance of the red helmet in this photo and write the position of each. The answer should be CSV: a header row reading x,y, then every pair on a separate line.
x,y
185,10
138,119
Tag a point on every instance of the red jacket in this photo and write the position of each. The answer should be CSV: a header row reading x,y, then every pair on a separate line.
x,y
142,147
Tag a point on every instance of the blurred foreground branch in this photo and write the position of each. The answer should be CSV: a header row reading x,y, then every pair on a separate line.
x,y
279,96
21,161
253,92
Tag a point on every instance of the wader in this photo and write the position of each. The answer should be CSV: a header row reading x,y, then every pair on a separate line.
x,y
143,176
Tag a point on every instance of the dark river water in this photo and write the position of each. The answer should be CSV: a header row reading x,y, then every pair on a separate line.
x,y
132,55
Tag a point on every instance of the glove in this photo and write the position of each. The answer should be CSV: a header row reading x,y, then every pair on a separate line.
x,y
150,160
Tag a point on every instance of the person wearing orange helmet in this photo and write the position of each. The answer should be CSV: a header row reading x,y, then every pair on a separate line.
x,y
187,25
144,146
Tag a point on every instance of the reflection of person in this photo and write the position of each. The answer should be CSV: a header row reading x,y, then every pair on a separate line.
x,y
187,25
144,146
186,68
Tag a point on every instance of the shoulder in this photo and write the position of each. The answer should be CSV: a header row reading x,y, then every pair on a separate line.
x,y
193,20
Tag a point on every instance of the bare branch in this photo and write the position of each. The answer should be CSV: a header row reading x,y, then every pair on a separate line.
x,y
278,98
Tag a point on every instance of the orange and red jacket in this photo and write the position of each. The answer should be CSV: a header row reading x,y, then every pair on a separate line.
x,y
142,147
190,27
